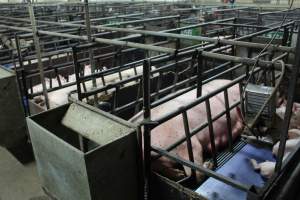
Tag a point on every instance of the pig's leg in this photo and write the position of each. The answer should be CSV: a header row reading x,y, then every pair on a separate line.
x,y
165,167
198,158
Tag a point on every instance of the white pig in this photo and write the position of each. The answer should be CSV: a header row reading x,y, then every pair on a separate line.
x,y
60,97
172,130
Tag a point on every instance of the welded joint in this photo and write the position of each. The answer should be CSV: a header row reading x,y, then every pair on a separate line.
x,y
150,123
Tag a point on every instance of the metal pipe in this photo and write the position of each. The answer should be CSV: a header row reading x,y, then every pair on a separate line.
x,y
38,53
147,129
289,107
145,20
91,52
107,18
99,40
206,171
177,36
239,25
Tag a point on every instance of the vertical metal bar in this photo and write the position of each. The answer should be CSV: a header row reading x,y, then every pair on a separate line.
x,y
77,71
134,67
285,36
24,93
158,85
83,143
91,52
289,106
271,74
289,41
31,85
24,82
147,128
199,73
176,74
259,19
50,81
228,119
140,88
115,99
57,76
120,63
211,133
242,99
38,53
291,35
233,48
188,140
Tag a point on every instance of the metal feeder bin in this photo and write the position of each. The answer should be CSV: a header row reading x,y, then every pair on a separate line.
x,y
12,118
84,153
256,95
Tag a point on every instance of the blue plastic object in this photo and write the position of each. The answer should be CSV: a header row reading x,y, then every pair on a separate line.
x,y
239,169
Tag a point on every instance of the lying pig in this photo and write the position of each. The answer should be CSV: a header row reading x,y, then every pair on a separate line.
x,y
295,118
267,168
60,97
171,131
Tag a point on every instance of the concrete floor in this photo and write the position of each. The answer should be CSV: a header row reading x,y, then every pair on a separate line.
x,y
17,181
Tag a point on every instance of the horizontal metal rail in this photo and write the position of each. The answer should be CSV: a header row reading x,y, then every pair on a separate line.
x,y
100,40
202,169
173,35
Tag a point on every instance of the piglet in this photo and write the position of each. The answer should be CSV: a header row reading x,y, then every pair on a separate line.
x,y
267,168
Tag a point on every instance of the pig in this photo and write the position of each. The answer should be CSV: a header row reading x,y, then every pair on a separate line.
x,y
60,97
169,132
295,118
267,168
